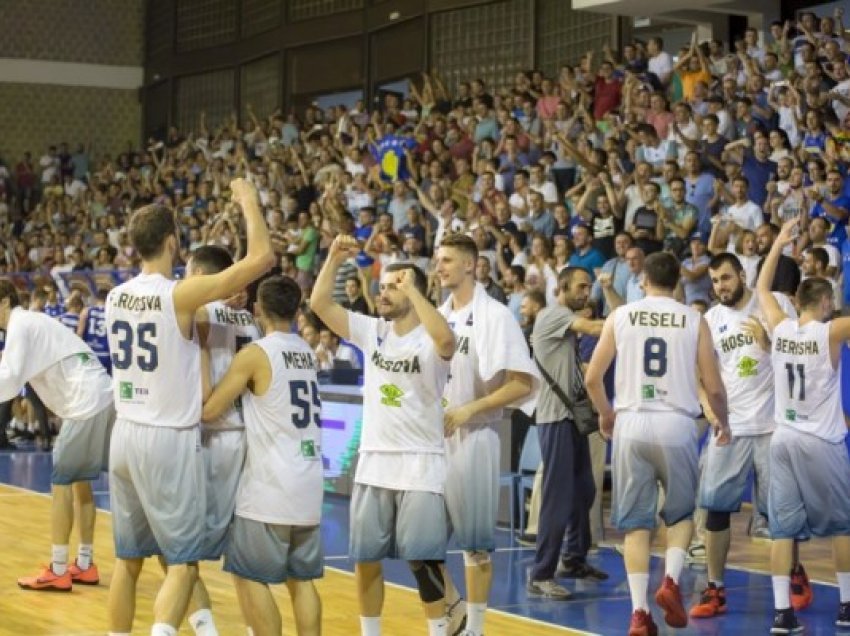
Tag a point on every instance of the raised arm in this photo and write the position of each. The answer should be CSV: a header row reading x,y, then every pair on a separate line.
x,y
322,303
192,293
433,321
772,311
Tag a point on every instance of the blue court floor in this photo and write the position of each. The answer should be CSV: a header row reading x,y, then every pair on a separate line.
x,y
598,608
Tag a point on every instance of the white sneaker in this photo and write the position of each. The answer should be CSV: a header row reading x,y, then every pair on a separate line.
x,y
548,589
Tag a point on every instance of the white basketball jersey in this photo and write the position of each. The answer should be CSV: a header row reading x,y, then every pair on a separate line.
x,y
156,371
656,369
282,480
745,367
808,387
465,384
229,331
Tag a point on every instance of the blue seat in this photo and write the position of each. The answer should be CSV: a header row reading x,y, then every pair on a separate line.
x,y
529,461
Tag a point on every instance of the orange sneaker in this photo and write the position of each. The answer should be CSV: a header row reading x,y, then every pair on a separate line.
x,y
642,624
711,603
89,576
801,591
669,598
47,581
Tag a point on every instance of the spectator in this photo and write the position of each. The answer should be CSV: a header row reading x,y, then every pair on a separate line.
x,y
482,275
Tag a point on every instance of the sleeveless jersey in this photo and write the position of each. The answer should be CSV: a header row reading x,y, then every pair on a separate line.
x,y
53,310
70,320
156,371
745,367
282,480
465,384
656,370
808,387
229,331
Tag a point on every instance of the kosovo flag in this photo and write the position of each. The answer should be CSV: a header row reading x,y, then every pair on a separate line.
x,y
389,153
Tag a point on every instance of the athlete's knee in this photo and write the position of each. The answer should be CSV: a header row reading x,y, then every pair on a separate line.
x,y
429,580
475,558
717,521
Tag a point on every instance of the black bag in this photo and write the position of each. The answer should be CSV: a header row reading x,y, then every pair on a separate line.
x,y
585,418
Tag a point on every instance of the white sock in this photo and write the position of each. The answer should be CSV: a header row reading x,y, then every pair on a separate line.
x,y
163,629
674,562
638,585
844,586
84,556
203,624
370,626
437,626
475,618
781,592
59,561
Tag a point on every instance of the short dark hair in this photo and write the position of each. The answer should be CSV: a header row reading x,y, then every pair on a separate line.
x,y
812,291
279,297
821,256
419,278
355,280
519,272
719,260
536,296
211,259
662,270
461,242
150,226
8,290
565,278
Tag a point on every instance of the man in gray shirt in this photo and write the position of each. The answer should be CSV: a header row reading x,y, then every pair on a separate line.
x,y
567,490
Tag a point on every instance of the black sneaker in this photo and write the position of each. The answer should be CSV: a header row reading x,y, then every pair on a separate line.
x,y
843,619
785,622
571,569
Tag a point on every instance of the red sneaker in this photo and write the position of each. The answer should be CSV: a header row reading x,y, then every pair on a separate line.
x,y
47,581
711,603
801,590
642,624
669,599
89,576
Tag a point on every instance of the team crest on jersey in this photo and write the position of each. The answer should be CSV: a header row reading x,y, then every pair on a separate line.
x,y
747,367
392,395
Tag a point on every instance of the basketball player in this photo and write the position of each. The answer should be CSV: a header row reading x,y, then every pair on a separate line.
x,y
810,470
157,491
222,332
65,374
275,534
491,369
658,342
92,329
743,353
71,316
397,507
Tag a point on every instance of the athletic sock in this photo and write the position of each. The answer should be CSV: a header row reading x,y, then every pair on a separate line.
x,y
163,629
638,585
475,618
674,562
59,561
781,592
437,626
370,626
844,586
84,556
202,623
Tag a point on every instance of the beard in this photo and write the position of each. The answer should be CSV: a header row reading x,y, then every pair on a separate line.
x,y
734,297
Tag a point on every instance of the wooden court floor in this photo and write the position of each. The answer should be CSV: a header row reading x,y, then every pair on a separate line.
x,y
24,527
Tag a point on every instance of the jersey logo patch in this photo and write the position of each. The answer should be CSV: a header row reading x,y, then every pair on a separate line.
x,y
647,392
791,415
125,390
747,367
392,395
